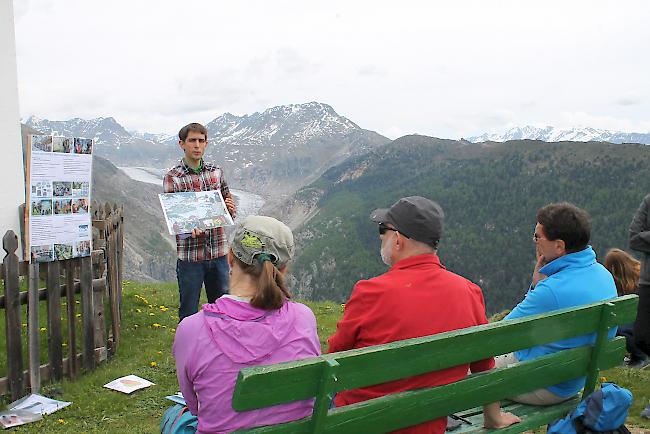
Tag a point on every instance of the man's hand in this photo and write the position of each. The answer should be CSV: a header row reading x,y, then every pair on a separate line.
x,y
230,204
196,233
537,276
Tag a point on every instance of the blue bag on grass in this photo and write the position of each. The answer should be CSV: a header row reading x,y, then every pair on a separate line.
x,y
177,419
604,411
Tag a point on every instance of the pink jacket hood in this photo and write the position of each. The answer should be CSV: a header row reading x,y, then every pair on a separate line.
x,y
245,333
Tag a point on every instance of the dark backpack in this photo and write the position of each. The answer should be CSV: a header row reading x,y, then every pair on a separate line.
x,y
604,411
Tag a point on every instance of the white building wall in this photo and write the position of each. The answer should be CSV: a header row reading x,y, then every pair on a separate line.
x,y
12,185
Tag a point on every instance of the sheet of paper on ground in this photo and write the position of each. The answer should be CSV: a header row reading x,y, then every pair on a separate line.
x,y
9,418
178,398
128,384
38,404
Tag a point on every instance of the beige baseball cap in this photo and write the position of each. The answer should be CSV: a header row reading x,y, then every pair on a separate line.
x,y
259,235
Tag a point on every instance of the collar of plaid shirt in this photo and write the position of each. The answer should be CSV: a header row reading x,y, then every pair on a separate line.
x,y
189,169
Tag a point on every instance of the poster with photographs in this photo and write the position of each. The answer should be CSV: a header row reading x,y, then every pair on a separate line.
x,y
189,210
60,174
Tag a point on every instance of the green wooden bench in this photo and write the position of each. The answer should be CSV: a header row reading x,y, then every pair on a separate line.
x,y
321,377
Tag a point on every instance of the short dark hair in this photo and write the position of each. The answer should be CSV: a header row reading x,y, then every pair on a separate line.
x,y
565,221
194,126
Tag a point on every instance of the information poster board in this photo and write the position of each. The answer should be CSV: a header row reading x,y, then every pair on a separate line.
x,y
60,174
194,210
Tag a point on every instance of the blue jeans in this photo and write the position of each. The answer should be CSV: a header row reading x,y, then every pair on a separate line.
x,y
192,275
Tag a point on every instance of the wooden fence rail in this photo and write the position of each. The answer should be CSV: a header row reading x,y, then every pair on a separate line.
x,y
91,277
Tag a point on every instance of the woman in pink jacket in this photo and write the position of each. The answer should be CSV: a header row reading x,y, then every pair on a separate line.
x,y
255,324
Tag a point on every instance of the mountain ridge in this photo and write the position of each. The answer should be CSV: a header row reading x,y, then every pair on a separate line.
x,y
552,134
272,152
490,193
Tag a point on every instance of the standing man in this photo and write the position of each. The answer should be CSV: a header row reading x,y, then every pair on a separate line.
x,y
566,275
416,297
640,241
201,254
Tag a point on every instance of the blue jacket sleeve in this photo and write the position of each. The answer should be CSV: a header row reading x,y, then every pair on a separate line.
x,y
538,300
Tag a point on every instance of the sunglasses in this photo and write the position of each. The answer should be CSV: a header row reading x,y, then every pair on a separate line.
x,y
383,228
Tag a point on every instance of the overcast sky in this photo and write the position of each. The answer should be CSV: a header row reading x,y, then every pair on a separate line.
x,y
445,69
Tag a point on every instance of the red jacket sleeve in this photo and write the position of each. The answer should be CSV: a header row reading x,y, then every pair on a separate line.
x,y
487,364
347,329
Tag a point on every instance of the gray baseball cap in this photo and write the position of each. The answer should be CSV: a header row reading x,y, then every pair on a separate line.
x,y
263,235
416,217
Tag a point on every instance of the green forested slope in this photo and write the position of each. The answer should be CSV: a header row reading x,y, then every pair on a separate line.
x,y
489,193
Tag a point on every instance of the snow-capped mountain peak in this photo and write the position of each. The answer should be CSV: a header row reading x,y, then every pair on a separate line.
x,y
280,125
552,134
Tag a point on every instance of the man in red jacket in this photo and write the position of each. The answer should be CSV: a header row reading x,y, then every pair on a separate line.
x,y
416,297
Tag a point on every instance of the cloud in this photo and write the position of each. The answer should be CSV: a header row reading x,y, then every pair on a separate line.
x,y
628,101
385,68
371,70
292,62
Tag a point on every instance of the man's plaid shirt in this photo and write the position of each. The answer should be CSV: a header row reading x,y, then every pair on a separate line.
x,y
213,243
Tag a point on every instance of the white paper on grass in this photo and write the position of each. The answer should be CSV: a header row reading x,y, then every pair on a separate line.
x,y
9,418
177,398
129,384
38,404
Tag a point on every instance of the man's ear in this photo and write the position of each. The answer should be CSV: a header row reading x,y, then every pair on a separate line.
x,y
560,247
399,240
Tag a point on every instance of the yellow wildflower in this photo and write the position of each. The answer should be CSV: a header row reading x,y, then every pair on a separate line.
x,y
61,421
153,364
156,325
43,329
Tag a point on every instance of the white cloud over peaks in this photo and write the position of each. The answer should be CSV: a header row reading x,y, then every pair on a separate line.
x,y
447,69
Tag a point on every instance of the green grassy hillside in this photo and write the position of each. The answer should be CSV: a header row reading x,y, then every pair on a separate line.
x,y
490,194
148,329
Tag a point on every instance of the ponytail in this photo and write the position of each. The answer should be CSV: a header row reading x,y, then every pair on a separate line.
x,y
271,289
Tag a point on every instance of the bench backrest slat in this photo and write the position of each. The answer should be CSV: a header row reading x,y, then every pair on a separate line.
x,y
262,386
405,409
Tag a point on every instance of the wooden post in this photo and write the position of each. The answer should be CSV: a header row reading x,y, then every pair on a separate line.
x,y
117,299
33,328
86,280
325,395
119,248
54,335
111,276
99,320
597,350
12,316
70,300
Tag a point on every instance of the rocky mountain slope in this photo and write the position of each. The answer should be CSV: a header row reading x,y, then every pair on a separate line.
x,y
273,152
149,251
112,141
